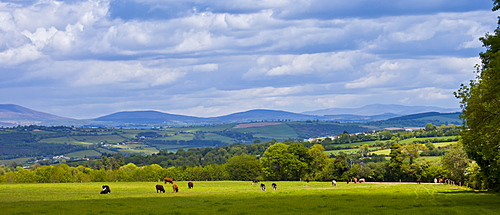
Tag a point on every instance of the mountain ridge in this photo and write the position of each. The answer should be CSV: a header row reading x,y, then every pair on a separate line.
x,y
377,109
12,115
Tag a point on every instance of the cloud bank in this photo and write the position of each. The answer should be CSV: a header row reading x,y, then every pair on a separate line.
x,y
84,59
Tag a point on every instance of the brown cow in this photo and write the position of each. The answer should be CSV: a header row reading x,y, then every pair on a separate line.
x,y
160,188
355,180
175,188
419,180
169,180
308,180
190,185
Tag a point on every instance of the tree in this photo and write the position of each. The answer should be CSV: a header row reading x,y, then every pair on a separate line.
x,y
396,164
430,127
412,151
456,161
318,161
243,167
340,165
278,164
480,103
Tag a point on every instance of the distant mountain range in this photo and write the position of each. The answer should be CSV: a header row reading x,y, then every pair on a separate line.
x,y
12,115
378,109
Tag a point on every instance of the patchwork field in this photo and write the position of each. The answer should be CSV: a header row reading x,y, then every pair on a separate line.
x,y
241,197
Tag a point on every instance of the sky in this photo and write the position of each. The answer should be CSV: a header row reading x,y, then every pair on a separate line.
x,y
86,59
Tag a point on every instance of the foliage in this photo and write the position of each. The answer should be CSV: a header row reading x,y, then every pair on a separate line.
x,y
480,101
455,162
396,164
243,167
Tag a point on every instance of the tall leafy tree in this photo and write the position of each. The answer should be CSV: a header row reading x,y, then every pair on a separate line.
x,y
480,102
318,161
340,165
396,164
243,167
279,164
456,161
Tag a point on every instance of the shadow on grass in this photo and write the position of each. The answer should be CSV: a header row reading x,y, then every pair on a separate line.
x,y
481,192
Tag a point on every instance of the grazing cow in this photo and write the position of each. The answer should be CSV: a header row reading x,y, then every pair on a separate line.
x,y
160,188
435,181
105,189
190,185
307,180
419,180
263,187
275,187
334,183
440,180
361,180
175,188
355,180
255,181
169,180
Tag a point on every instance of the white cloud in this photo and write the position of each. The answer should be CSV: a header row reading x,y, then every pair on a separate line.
x,y
382,79
212,57
432,93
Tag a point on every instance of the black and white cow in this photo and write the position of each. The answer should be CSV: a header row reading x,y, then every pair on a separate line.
x,y
275,187
263,187
105,189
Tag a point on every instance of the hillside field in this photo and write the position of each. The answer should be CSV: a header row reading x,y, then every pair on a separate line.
x,y
241,197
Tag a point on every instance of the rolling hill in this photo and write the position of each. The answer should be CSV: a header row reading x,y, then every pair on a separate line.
x,y
377,109
12,115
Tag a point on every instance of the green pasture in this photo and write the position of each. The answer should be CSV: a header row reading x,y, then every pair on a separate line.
x,y
135,149
241,197
17,160
100,138
213,136
345,151
411,140
82,154
431,158
84,140
444,144
281,131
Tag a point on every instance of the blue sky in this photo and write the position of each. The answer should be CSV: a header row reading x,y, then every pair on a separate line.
x,y
85,59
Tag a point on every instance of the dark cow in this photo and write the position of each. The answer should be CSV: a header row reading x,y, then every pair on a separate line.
x,y
308,180
169,180
263,187
190,185
175,188
255,181
105,189
275,187
419,180
160,188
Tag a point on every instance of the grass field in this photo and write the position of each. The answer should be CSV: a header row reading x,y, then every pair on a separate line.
x,y
236,197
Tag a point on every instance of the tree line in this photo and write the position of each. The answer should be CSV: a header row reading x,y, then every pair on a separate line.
x,y
287,160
